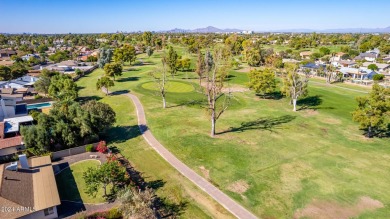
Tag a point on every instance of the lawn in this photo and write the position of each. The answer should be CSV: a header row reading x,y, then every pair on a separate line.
x,y
71,184
173,86
270,159
174,188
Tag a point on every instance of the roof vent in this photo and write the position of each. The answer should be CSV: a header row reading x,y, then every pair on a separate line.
x,y
23,161
12,167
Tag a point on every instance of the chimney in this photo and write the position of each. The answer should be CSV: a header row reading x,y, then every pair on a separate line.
x,y
23,161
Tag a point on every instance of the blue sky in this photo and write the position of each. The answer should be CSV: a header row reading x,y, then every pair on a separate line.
x,y
86,16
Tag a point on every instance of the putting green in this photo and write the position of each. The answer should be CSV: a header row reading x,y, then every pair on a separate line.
x,y
172,86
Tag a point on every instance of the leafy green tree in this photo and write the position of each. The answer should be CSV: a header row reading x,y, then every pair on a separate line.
x,y
62,87
373,112
324,51
5,73
378,77
171,61
78,72
110,173
60,56
100,115
149,51
42,48
104,82
365,46
42,85
105,56
200,66
37,138
147,38
125,54
113,69
262,81
18,69
253,57
373,67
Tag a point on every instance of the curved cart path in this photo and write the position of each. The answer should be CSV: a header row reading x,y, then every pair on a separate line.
x,y
228,203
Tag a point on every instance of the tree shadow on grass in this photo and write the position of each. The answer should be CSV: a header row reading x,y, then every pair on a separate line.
x,y
310,102
119,92
128,79
188,103
68,190
121,134
265,123
156,184
131,69
88,98
277,95
230,77
167,209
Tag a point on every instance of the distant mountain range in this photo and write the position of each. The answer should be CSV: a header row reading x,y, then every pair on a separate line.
x,y
211,29
343,30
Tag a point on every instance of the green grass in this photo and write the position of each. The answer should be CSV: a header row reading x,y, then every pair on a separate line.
x,y
126,137
287,158
172,86
71,184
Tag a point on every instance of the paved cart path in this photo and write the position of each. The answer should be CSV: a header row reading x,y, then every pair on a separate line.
x,y
228,203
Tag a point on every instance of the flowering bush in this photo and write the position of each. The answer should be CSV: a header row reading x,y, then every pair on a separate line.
x,y
102,147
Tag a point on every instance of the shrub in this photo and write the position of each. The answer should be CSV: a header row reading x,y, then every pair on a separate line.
x,y
89,148
378,77
102,147
37,96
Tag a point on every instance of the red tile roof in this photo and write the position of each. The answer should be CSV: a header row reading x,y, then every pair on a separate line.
x,y
10,142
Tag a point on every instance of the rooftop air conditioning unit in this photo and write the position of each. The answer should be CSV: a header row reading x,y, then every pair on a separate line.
x,y
12,167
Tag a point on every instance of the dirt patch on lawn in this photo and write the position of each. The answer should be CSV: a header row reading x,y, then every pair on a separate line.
x,y
245,70
239,187
234,89
330,210
331,121
309,112
205,172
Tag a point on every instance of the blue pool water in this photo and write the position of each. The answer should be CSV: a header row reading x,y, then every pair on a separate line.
x,y
38,106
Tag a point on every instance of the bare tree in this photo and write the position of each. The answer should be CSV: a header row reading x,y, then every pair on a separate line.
x,y
216,72
298,87
161,79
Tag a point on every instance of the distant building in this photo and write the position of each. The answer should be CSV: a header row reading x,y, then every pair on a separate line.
x,y
247,32
305,54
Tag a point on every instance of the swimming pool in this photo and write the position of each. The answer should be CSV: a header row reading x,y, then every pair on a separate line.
x,y
38,105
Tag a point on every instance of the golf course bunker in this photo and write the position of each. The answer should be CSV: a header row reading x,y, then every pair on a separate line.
x,y
172,86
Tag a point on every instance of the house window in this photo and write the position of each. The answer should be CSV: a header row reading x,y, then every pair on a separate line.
x,y
48,211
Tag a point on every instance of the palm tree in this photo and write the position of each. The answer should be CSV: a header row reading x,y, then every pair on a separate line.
x,y
104,82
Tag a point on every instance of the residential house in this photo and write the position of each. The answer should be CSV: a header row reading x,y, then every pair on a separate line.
x,y
22,82
28,56
344,63
6,62
28,187
290,61
370,55
336,57
382,67
305,54
10,107
6,53
358,74
10,139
